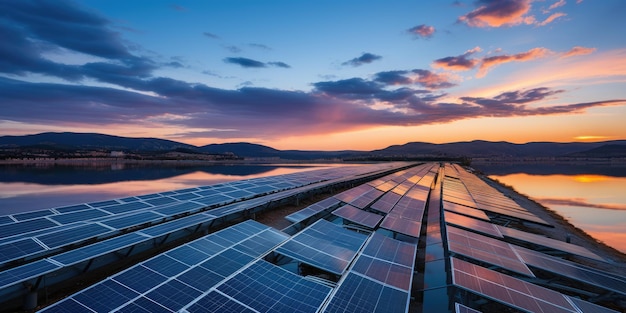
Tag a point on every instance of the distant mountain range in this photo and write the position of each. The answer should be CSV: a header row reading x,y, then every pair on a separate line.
x,y
473,149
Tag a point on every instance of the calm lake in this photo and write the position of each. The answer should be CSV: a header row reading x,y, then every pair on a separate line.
x,y
592,197
29,187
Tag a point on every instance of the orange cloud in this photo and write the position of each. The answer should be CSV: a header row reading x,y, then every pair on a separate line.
x,y
551,18
557,4
498,13
578,50
529,55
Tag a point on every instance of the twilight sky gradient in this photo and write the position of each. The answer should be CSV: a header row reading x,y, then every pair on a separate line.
x,y
316,75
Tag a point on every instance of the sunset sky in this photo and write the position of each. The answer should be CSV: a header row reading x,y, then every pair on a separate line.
x,y
316,75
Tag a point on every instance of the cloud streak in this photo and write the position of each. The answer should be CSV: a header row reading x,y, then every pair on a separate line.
x,y
489,62
365,58
458,63
250,63
582,202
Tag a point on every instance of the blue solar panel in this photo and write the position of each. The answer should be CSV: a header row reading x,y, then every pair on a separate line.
x,y
392,274
200,278
181,223
359,294
142,305
187,255
71,217
140,278
6,220
12,229
73,235
388,249
32,215
126,207
358,216
98,249
161,201
214,199
19,249
227,262
173,295
206,245
185,196
185,207
217,302
132,220
268,288
260,244
165,265
25,272
103,203
72,208
149,196
105,296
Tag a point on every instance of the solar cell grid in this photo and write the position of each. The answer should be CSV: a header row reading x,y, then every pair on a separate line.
x,y
471,223
126,207
216,302
71,217
460,209
161,201
459,308
73,235
165,265
98,248
366,199
214,199
180,208
351,194
8,230
385,248
389,273
140,278
173,295
511,291
269,288
177,224
32,215
404,226
19,249
227,262
142,305
27,271
358,216
187,255
103,203
105,296
357,293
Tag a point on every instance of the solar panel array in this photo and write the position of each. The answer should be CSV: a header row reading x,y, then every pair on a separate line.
x,y
171,280
515,292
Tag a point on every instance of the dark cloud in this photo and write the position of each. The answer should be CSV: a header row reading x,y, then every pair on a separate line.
x,y
279,64
245,62
458,63
421,77
63,24
423,31
393,78
211,35
365,58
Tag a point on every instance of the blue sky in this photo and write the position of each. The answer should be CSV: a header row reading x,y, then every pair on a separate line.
x,y
316,74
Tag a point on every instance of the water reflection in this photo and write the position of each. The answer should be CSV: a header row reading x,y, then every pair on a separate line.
x,y
593,202
30,188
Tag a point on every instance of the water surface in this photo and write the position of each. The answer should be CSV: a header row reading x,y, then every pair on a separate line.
x,y
30,187
591,197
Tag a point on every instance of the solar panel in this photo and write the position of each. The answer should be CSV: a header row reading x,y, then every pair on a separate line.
x,y
357,293
178,224
165,265
460,209
103,203
135,219
587,307
32,215
126,207
161,200
71,217
142,305
485,249
401,225
268,288
388,273
218,302
324,245
99,248
572,270
386,202
73,235
508,290
358,216
227,262
259,244
472,224
27,271
12,229
366,199
312,209
351,194
72,208
391,250
19,249
173,295
185,196
214,200
140,278
549,243
104,296
185,207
